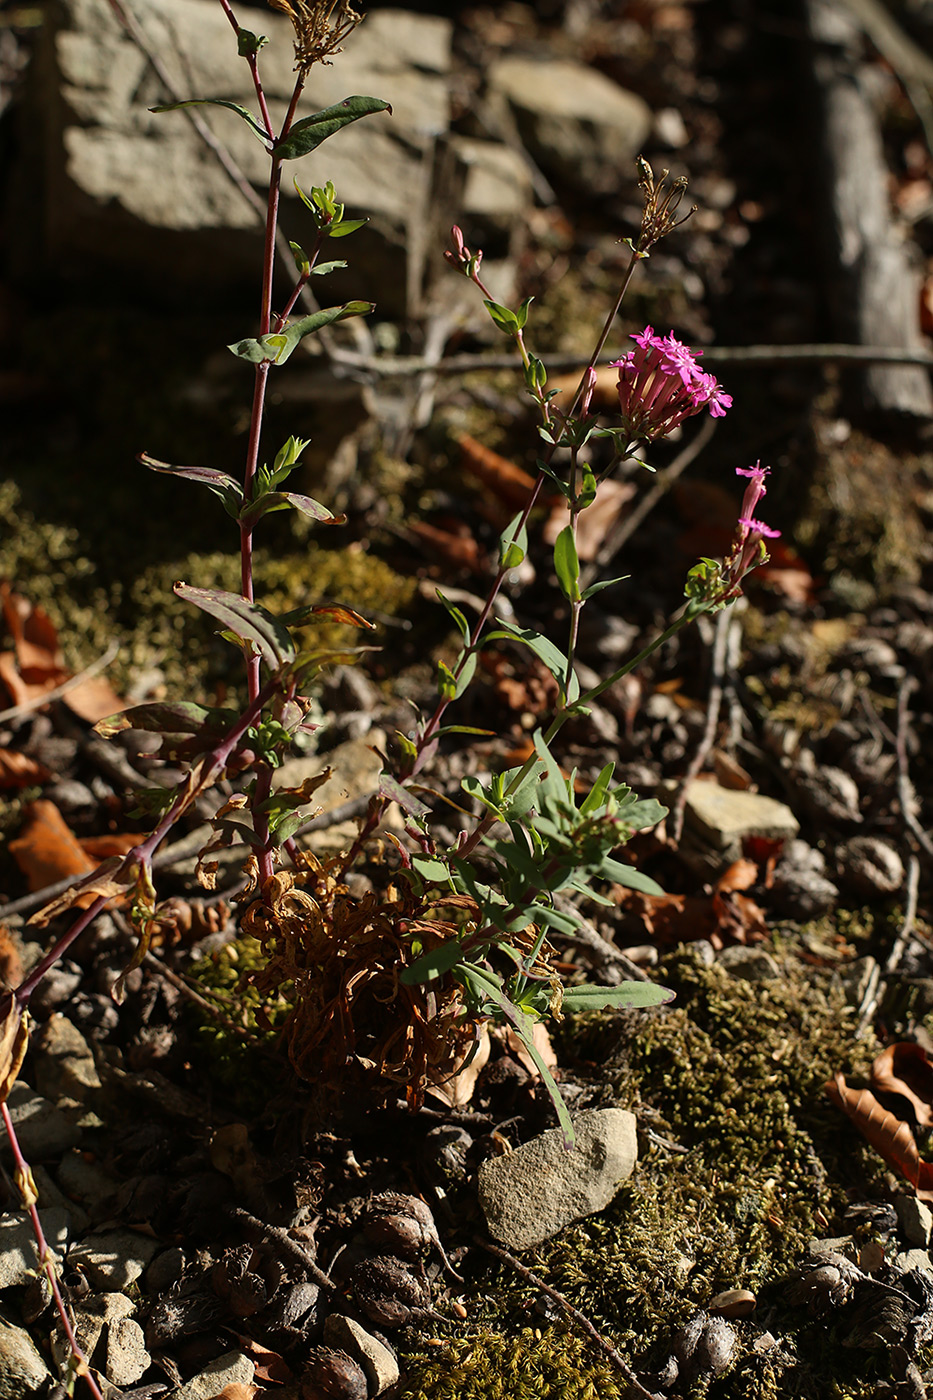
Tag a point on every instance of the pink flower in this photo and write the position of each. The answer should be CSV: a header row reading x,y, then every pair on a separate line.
x,y
661,384
758,527
755,488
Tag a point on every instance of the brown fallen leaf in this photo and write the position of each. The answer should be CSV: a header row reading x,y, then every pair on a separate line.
x,y
903,1068
46,849
14,1038
11,967
18,770
36,665
889,1136
103,882
271,1368
595,522
457,550
508,483
457,1091
116,843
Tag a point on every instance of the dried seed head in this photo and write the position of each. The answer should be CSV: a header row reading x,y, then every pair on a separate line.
x,y
388,1293
320,27
661,205
333,1375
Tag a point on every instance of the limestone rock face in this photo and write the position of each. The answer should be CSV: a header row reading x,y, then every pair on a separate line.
x,y
530,1194
580,126
129,189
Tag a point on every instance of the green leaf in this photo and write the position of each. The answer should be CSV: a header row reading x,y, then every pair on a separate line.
x,y
160,717
390,787
243,112
513,543
322,269
587,492
521,316
589,998
306,135
567,564
289,500
433,964
222,485
429,868
462,729
544,649
505,319
248,621
302,261
345,227
598,587
279,345
248,43
628,877
457,616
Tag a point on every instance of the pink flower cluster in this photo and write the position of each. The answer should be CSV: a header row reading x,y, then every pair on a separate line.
x,y
661,384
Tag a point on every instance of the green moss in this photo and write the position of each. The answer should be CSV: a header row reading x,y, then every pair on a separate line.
x,y
743,1160
550,1363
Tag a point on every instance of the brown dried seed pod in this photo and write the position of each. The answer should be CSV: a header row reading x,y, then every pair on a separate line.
x,y
715,1347
733,1302
387,1292
333,1375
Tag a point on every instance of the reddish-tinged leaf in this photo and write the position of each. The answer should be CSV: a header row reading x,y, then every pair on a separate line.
x,y
46,850
107,881
34,638
903,1068
890,1137
18,770
508,483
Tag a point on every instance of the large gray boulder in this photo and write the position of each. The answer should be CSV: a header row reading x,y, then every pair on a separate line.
x,y
126,189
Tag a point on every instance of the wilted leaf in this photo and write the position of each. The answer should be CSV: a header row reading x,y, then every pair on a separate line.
x,y
18,770
47,850
510,484
107,882
889,1136
14,1039
11,969
903,1068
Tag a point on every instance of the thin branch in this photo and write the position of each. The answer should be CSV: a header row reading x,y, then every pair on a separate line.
x,y
537,1282
875,989
906,794
38,701
724,623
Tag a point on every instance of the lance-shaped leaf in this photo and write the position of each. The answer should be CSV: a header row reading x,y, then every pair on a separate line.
x,y
306,135
172,717
248,621
391,788
244,112
333,612
433,964
590,998
278,345
222,485
289,500
544,649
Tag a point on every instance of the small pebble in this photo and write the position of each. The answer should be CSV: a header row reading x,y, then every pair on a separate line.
x,y
733,1302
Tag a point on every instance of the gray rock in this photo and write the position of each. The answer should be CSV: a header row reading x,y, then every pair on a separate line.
x,y
142,192
113,1259
912,1259
91,1317
165,1269
22,1370
723,817
84,1180
915,1219
19,1254
230,1369
43,1130
65,1070
579,125
530,1194
495,181
379,1363
127,1357
749,964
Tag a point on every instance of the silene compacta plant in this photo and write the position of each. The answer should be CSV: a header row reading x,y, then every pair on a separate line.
x,y
393,987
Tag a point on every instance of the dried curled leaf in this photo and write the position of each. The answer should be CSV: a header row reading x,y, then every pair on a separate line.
x,y
888,1135
903,1068
14,1039
108,881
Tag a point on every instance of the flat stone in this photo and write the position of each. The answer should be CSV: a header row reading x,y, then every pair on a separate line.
x,y
127,1357
496,182
22,1370
723,817
578,124
65,1068
530,1194
748,964
379,1363
19,1255
91,1317
355,773
42,1129
113,1259
85,1180
233,1368
912,1259
915,1219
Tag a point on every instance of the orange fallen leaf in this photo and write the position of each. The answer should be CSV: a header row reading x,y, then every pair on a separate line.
x,y
36,665
889,1136
508,483
93,699
11,968
117,843
903,1068
18,770
46,849
456,550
